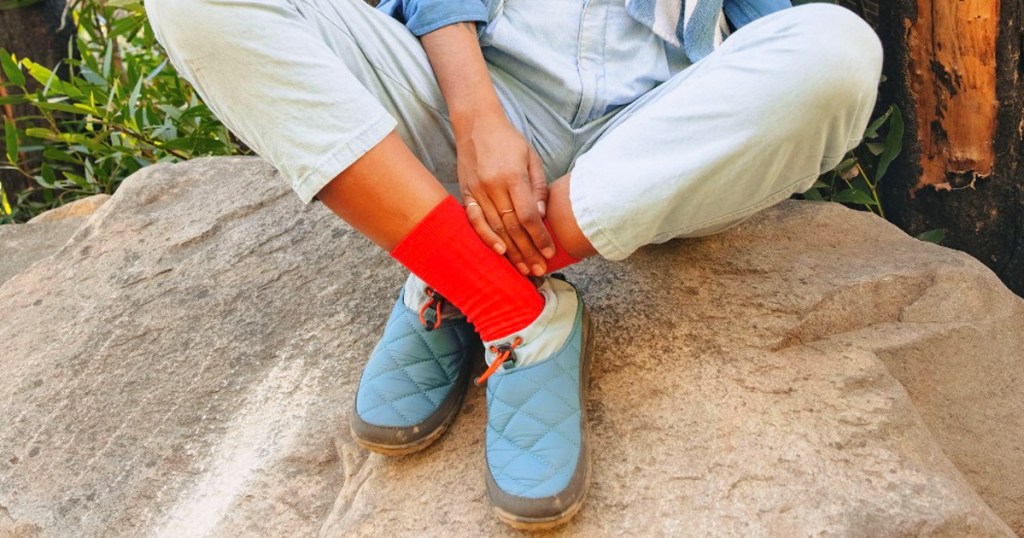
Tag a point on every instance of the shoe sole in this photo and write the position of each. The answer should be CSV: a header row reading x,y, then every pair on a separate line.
x,y
542,524
415,446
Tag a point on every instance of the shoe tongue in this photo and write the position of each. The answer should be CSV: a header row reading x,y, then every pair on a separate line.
x,y
543,337
415,297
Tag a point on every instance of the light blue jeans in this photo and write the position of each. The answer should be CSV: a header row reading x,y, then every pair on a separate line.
x,y
657,148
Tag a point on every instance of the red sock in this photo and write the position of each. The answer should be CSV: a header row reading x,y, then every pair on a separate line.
x,y
561,258
447,254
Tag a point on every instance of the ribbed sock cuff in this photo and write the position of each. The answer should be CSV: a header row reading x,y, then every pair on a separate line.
x,y
561,258
445,252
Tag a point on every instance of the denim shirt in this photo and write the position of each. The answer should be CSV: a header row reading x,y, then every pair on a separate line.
x,y
425,16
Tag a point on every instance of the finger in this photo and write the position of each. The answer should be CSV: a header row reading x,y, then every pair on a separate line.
x,y
480,226
530,219
531,257
539,182
515,229
494,221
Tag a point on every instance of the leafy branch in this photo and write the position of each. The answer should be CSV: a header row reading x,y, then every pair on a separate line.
x,y
120,107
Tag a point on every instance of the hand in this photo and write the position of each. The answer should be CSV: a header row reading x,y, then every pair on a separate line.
x,y
505,190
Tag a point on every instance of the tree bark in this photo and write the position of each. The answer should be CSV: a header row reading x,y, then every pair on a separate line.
x,y
954,68
41,32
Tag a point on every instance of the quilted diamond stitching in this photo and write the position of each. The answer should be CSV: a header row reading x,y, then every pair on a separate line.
x,y
388,360
544,386
527,449
414,332
400,365
543,379
404,370
550,475
550,430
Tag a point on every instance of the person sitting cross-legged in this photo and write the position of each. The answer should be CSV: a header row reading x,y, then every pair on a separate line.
x,y
486,144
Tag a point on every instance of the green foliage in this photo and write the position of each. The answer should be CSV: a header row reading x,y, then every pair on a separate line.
x,y
120,107
854,181
936,236
15,4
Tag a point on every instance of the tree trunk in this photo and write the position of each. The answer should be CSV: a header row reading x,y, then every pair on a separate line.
x,y
34,32
954,68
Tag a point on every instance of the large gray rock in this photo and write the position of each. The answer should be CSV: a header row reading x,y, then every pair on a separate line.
x,y
186,364
83,207
21,245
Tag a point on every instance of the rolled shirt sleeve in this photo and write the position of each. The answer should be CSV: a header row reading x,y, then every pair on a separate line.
x,y
425,16
742,12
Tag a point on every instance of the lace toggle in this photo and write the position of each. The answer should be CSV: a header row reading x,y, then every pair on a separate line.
x,y
435,302
505,356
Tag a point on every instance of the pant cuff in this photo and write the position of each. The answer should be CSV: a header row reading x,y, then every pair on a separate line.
x,y
342,157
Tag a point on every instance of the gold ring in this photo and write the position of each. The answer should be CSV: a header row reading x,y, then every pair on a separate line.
x,y
508,211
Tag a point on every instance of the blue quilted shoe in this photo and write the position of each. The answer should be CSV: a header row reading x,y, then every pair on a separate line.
x,y
538,458
413,384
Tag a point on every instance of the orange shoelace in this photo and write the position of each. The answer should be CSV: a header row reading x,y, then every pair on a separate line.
x,y
504,354
436,301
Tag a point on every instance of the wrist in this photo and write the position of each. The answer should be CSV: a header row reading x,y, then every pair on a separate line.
x,y
465,119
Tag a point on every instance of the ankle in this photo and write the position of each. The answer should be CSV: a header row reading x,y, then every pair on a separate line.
x,y
445,251
562,223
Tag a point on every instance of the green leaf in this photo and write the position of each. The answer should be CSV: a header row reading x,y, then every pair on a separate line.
x,y
133,99
845,166
16,4
11,140
195,111
38,72
50,80
814,195
73,139
936,236
75,108
893,144
11,69
852,196
872,130
126,27
76,179
42,132
90,174
152,75
47,176
59,155
875,148
15,99
4,205
108,57
92,77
